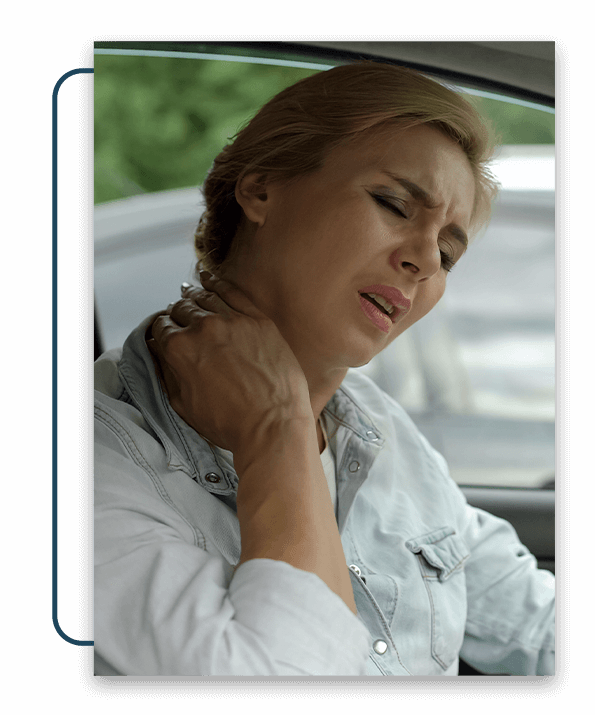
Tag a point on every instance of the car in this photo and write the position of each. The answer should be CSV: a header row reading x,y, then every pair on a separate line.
x,y
477,374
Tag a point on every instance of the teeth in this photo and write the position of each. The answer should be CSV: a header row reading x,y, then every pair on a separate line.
x,y
384,303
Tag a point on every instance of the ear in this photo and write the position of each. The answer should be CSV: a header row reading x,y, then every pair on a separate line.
x,y
251,194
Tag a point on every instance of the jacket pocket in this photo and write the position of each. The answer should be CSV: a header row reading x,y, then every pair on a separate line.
x,y
441,556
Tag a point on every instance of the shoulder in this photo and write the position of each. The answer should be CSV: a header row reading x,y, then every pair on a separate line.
x,y
403,441
105,374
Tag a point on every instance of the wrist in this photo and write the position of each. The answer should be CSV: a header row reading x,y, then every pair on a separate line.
x,y
277,439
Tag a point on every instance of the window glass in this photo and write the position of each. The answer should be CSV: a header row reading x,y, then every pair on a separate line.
x,y
476,374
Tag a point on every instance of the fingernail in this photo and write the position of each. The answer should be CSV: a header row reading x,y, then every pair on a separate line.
x,y
184,287
205,275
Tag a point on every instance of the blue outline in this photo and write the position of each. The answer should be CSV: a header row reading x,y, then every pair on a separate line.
x,y
55,356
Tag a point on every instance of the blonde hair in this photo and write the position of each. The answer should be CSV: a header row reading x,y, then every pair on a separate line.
x,y
293,133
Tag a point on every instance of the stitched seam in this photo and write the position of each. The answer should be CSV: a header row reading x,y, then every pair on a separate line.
x,y
136,455
358,409
372,601
433,614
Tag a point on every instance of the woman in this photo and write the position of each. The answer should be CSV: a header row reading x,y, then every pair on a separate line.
x,y
260,510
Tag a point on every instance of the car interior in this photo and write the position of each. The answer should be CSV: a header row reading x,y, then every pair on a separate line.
x,y
524,72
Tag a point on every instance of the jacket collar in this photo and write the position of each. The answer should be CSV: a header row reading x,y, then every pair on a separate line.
x,y
187,450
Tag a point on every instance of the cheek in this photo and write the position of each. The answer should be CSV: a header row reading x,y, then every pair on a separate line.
x,y
334,245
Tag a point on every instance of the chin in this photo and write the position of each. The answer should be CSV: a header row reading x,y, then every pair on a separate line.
x,y
360,363
358,355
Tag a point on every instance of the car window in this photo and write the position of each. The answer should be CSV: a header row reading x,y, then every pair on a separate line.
x,y
477,374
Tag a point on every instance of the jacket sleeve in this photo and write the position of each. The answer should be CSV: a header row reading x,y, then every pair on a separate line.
x,y
511,603
164,605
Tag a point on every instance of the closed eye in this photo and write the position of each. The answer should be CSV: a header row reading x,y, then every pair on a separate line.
x,y
388,204
447,261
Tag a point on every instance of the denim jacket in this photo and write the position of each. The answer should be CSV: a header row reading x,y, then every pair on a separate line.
x,y
433,578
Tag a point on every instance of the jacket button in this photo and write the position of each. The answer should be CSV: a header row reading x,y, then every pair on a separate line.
x,y
380,647
354,466
372,436
213,478
356,570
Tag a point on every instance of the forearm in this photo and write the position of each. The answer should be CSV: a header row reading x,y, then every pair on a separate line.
x,y
285,509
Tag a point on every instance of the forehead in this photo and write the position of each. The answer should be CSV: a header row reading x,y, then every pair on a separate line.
x,y
423,146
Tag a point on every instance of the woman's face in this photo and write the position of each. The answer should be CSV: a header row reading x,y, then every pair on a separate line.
x,y
386,215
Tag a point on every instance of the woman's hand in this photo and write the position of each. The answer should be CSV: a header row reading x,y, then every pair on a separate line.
x,y
227,370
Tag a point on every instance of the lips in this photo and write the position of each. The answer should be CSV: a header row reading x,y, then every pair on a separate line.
x,y
390,301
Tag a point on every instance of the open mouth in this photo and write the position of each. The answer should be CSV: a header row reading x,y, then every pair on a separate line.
x,y
376,312
379,302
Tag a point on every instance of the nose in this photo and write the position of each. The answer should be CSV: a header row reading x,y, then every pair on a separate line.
x,y
418,255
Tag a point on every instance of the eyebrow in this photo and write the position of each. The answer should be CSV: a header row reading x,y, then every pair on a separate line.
x,y
429,202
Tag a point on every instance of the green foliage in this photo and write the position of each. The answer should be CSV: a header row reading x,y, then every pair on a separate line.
x,y
160,122
516,124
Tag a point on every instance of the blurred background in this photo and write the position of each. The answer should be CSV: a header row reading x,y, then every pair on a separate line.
x,y
477,374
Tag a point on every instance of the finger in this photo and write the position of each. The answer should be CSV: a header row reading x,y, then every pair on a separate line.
x,y
163,344
233,296
186,311
162,330
153,342
206,300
